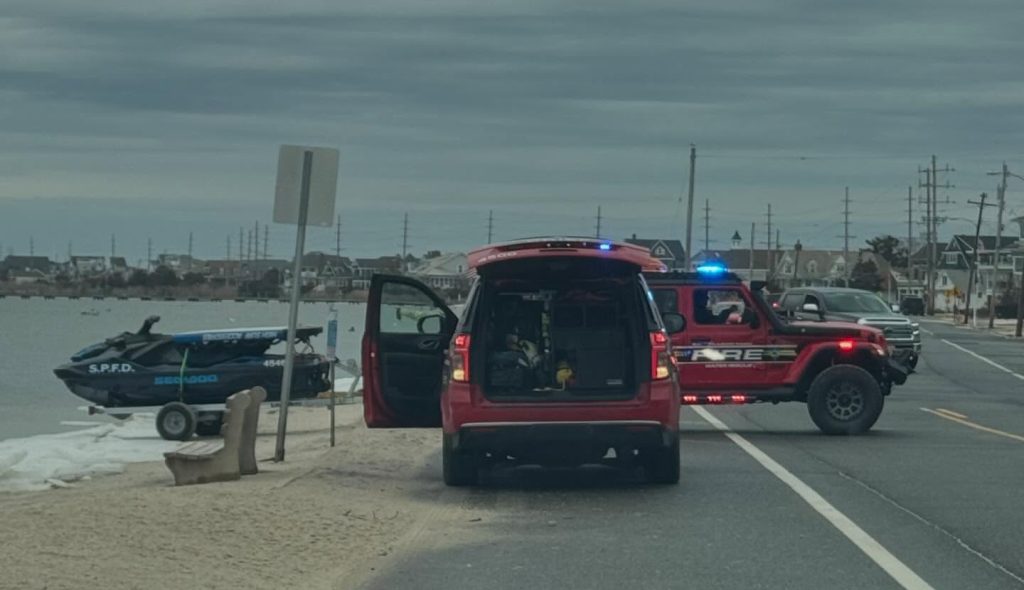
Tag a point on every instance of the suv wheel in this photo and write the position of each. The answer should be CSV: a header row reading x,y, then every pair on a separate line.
x,y
663,463
460,468
844,399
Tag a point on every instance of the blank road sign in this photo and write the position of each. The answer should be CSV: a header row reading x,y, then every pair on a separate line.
x,y
323,183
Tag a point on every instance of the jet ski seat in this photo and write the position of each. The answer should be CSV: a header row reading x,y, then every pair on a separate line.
x,y
210,461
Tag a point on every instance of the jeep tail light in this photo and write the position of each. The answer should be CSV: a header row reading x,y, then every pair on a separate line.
x,y
846,345
659,356
689,399
460,358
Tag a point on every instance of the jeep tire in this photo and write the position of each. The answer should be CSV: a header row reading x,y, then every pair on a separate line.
x,y
460,468
663,463
844,399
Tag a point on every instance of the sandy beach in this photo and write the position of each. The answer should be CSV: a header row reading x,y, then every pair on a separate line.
x,y
325,518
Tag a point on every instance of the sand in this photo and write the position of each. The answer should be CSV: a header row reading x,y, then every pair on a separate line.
x,y
325,518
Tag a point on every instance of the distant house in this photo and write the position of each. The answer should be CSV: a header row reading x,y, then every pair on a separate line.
x,y
118,265
444,272
327,271
88,266
365,268
670,252
748,265
181,263
27,277
14,263
811,268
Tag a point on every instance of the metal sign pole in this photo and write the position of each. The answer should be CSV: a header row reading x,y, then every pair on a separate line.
x,y
332,355
293,312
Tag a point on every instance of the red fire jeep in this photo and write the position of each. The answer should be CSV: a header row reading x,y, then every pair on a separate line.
x,y
559,358
732,349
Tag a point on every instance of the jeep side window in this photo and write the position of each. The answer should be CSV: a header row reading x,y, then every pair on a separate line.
x,y
721,307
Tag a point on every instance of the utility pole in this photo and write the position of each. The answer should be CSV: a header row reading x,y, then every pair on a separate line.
x,y
256,241
113,245
405,240
337,239
846,238
266,239
689,202
241,247
31,246
910,230
768,252
974,256
149,254
597,234
189,265
228,255
490,225
707,224
932,185
1001,196
752,226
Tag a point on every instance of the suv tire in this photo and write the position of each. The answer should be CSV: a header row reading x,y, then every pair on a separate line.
x,y
844,399
663,463
459,468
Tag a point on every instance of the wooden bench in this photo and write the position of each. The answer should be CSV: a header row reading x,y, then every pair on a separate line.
x,y
209,461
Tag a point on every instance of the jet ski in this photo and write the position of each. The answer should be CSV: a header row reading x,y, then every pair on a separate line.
x,y
204,367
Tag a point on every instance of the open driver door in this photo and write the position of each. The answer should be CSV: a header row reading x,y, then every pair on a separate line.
x,y
405,343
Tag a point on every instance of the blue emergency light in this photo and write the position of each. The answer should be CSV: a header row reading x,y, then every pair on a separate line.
x,y
711,268
604,247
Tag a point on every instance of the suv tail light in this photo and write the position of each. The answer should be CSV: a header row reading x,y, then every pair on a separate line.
x,y
460,358
659,356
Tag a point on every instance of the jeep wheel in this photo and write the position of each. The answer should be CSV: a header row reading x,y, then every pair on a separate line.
x,y
844,399
460,468
663,463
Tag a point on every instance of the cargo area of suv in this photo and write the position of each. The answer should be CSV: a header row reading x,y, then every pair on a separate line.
x,y
570,333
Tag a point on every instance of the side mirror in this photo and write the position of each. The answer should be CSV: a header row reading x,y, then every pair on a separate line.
x,y
674,322
430,324
810,308
895,308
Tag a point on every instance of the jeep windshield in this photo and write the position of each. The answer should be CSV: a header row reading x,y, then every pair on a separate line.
x,y
855,303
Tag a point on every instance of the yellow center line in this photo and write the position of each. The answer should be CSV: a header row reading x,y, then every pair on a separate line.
x,y
975,425
951,413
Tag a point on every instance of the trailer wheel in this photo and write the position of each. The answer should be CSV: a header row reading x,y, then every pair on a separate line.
x,y
209,423
176,421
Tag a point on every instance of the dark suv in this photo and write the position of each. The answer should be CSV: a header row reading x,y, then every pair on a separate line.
x,y
559,358
862,307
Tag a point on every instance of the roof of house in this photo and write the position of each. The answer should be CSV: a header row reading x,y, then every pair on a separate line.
x,y
449,264
988,243
380,262
15,262
670,249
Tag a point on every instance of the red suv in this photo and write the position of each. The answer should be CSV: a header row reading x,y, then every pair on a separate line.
x,y
559,358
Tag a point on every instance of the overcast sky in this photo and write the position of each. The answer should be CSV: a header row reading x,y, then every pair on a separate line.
x,y
153,119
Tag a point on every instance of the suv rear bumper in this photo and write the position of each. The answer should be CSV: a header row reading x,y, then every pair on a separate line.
x,y
529,437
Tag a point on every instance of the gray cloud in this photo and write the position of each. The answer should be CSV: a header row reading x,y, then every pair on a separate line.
x,y
539,110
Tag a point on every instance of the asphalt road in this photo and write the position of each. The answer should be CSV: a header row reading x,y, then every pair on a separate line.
x,y
933,493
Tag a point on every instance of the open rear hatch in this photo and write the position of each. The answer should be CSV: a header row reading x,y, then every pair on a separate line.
x,y
560,329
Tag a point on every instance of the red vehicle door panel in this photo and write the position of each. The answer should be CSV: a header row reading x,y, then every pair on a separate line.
x,y
405,343
723,345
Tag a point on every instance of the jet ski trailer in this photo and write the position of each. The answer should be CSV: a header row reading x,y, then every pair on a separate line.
x,y
187,377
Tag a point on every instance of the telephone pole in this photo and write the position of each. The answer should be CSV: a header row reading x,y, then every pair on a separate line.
x,y
31,246
689,202
910,230
228,255
931,196
189,266
707,224
1001,196
490,225
256,241
752,226
598,227
113,245
846,238
974,256
405,240
266,240
768,252
337,239
241,248
149,254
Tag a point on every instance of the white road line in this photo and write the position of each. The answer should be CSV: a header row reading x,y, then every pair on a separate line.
x,y
983,359
896,569
926,331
